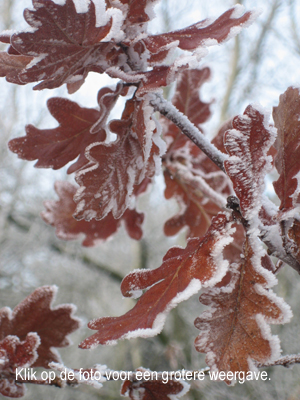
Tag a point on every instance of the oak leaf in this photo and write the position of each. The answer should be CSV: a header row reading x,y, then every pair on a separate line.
x,y
54,148
287,161
154,389
248,145
201,34
34,314
60,214
66,44
11,65
181,275
16,354
234,332
107,185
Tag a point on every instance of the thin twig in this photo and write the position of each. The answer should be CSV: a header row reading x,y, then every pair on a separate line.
x,y
188,128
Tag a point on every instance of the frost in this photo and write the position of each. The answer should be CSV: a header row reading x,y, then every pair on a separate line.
x,y
116,33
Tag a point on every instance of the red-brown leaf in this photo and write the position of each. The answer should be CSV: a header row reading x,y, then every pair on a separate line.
x,y
60,214
196,209
248,144
181,275
202,33
78,128
153,390
107,185
11,65
287,160
34,314
235,330
54,148
66,43
16,354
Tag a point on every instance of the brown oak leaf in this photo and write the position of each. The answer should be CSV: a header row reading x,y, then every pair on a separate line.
x,y
181,275
34,314
203,33
287,161
16,354
107,185
66,44
234,332
60,214
157,389
11,65
248,145
54,148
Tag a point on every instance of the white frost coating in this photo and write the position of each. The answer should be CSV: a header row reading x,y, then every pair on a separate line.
x,y
185,389
36,60
115,32
238,11
115,72
193,288
242,163
165,106
191,60
149,9
59,2
222,239
295,195
273,340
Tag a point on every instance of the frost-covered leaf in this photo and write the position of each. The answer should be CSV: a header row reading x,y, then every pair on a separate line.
x,y
196,209
234,332
11,65
34,314
60,214
16,354
136,11
287,161
248,144
54,148
204,33
66,43
181,275
107,184
153,389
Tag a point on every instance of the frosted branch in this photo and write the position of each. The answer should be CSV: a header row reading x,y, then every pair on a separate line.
x,y
188,128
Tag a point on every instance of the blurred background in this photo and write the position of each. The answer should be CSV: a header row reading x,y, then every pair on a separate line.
x,y
255,67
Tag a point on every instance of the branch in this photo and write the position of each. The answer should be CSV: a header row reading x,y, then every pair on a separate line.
x,y
185,125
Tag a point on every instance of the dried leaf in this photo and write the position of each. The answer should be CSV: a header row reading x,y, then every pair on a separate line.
x,y
181,275
11,65
287,160
107,185
54,148
60,214
16,354
204,33
248,144
34,314
66,44
155,389
234,332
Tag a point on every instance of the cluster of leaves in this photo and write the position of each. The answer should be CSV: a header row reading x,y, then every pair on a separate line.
x,y
221,199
